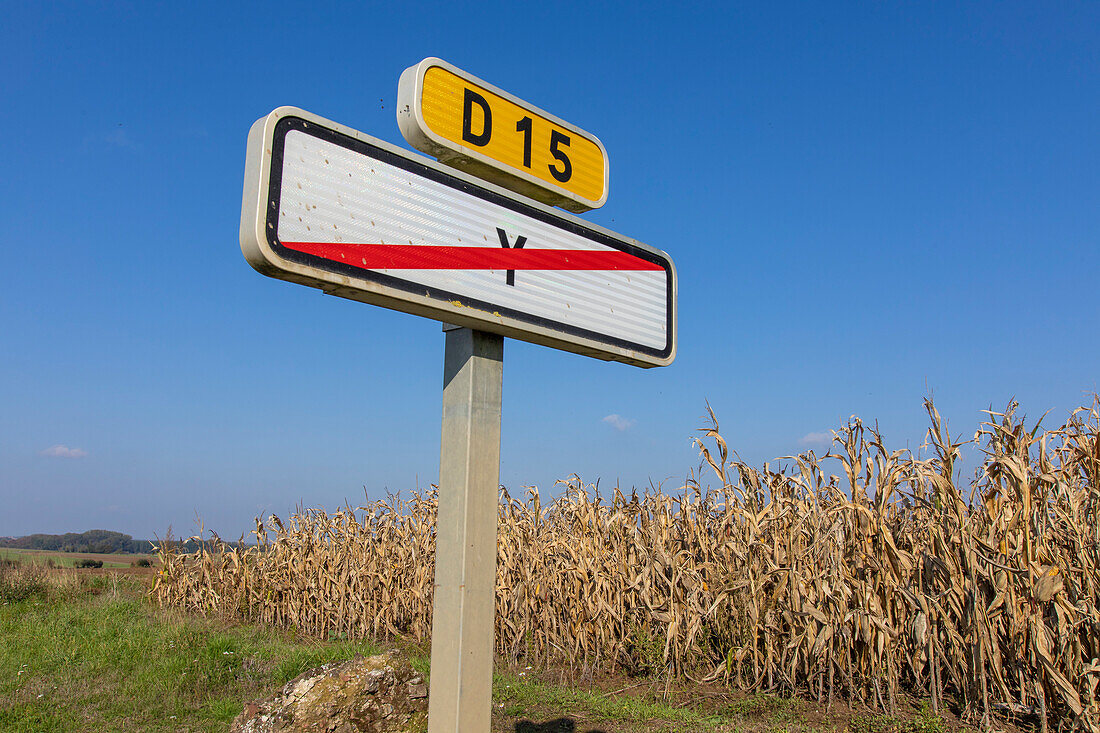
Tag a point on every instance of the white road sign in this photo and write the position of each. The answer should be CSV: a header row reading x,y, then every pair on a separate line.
x,y
330,207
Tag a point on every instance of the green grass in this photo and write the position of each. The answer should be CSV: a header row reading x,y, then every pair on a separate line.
x,y
518,695
100,658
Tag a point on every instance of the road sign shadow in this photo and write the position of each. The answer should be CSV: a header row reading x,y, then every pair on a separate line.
x,y
560,725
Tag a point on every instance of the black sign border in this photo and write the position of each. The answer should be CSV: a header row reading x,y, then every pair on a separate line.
x,y
291,123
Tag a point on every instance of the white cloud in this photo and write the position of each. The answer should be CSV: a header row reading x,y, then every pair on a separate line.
x,y
816,439
64,451
619,422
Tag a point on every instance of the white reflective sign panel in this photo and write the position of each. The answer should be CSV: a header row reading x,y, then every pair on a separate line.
x,y
330,207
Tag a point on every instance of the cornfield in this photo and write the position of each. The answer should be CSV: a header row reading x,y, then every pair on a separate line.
x,y
889,578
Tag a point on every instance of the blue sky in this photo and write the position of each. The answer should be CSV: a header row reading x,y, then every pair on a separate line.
x,y
866,203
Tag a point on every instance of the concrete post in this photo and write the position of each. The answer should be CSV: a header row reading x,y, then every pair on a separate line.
x,y
463,610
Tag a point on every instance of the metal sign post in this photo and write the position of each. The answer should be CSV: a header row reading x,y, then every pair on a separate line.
x,y
329,207
461,693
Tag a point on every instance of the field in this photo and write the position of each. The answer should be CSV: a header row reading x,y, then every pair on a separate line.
x,y
869,575
90,652
69,559
889,596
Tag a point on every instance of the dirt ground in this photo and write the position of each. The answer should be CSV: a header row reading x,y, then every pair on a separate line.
x,y
725,709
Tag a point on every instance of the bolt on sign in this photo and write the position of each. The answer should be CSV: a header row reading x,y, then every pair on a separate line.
x,y
333,208
471,124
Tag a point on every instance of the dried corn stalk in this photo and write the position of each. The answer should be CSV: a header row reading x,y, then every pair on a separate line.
x,y
889,576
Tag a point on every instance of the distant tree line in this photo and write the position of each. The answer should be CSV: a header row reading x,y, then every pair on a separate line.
x,y
94,540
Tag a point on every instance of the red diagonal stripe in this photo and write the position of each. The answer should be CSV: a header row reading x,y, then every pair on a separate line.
x,y
421,257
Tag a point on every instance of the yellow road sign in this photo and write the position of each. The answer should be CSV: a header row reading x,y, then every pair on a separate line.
x,y
470,124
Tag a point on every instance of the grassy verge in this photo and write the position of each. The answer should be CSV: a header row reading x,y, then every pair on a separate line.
x,y
95,656
88,652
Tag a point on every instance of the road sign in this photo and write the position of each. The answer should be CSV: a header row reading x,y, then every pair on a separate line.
x,y
471,124
333,208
